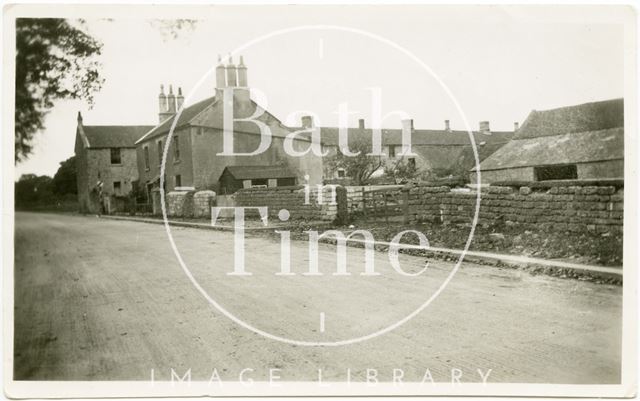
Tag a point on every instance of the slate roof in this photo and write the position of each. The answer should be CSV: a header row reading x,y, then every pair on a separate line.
x,y
243,108
578,147
585,117
330,136
574,134
114,136
258,172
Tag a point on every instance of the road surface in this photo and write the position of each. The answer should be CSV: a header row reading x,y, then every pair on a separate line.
x,y
99,299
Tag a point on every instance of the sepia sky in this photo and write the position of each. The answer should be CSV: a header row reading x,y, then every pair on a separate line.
x,y
499,63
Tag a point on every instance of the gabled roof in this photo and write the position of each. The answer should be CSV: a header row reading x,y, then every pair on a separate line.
x,y
579,147
427,137
243,107
258,172
113,136
585,117
188,114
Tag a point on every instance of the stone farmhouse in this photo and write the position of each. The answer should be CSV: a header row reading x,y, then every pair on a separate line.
x,y
106,165
193,160
585,141
439,151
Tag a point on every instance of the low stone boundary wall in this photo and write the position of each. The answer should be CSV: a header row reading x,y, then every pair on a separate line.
x,y
202,203
190,204
293,199
568,208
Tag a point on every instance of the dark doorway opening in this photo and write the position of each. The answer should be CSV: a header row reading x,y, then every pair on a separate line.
x,y
564,172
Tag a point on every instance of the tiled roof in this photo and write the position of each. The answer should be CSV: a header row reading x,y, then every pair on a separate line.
x,y
114,136
586,117
330,136
580,147
259,172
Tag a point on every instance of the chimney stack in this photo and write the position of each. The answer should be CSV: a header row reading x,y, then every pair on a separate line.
x,y
163,108
221,81
361,123
307,122
171,99
231,74
516,126
484,127
407,131
447,127
179,99
242,74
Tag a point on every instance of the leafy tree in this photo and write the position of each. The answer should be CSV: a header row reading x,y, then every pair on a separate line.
x,y
55,59
360,168
32,189
401,170
64,182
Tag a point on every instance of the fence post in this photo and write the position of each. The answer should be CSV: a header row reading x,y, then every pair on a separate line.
x,y
386,209
405,202
375,207
364,205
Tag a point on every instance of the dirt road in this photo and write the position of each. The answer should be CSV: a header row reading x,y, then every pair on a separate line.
x,y
107,300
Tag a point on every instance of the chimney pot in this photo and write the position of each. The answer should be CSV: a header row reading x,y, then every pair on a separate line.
x,y
221,80
307,121
242,74
361,123
516,126
179,99
447,127
79,118
171,100
163,106
231,74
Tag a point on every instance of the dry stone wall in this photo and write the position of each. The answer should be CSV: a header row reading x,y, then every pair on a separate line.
x,y
570,208
293,199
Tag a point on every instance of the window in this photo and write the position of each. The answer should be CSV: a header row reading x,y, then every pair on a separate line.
x,y
564,172
146,157
341,173
116,156
159,152
176,148
117,189
178,180
392,151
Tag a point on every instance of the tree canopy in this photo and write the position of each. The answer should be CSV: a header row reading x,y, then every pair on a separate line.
x,y
361,167
64,182
55,59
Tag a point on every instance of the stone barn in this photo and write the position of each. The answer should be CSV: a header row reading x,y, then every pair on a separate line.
x,y
585,141
106,165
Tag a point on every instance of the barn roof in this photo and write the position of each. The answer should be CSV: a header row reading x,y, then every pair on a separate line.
x,y
258,172
587,117
114,136
429,137
579,147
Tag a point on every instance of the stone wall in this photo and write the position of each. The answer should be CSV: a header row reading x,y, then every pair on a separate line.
x,y
293,200
190,204
568,208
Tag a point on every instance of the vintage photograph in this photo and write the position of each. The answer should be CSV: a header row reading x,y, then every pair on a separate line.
x,y
319,200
